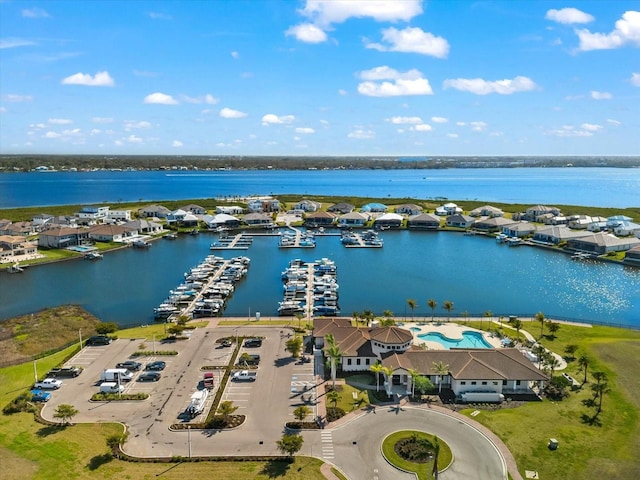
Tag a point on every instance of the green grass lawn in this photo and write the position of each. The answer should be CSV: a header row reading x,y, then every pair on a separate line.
x,y
422,470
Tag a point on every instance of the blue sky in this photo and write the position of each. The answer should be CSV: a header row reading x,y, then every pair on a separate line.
x,y
314,77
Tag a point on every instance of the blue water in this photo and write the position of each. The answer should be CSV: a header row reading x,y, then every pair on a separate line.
x,y
473,272
604,187
468,340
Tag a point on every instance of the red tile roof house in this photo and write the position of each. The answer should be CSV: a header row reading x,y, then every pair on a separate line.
x,y
503,370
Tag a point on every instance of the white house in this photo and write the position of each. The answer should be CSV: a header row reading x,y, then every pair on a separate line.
x,y
229,209
486,211
448,209
119,215
92,214
353,219
307,206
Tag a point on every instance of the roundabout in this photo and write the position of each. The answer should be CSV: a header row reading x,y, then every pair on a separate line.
x,y
417,452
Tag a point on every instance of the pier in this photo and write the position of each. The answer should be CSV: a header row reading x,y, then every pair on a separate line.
x,y
295,238
367,239
310,289
241,241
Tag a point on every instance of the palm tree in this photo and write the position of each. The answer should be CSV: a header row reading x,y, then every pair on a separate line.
x,y
448,306
333,397
517,324
540,318
412,305
553,327
600,388
465,315
367,316
355,316
388,373
487,314
376,368
414,374
583,362
436,453
301,412
332,351
552,363
387,314
441,370
432,305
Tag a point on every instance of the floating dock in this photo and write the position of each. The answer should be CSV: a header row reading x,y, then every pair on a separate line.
x,y
241,241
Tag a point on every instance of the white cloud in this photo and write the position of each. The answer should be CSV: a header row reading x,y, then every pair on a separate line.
x,y
626,32
160,98
337,11
439,119
567,131
461,124
230,113
271,119
14,98
635,79
134,139
102,120
60,121
101,79
95,131
51,135
361,134
479,86
601,95
177,144
412,40
424,127
133,124
159,16
613,122
37,125
235,55
35,13
410,82
404,120
72,133
306,130
15,42
307,32
452,135
208,99
591,127
342,92
568,16
478,126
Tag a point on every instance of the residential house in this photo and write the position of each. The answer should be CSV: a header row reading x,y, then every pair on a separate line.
x,y
230,209
532,213
341,208
111,233
408,209
353,219
221,220
90,215
157,211
602,243
374,207
490,225
486,211
632,257
520,229
550,219
144,227
388,220
63,237
22,229
12,246
307,206
266,205
258,220
460,221
582,222
556,234
119,215
626,228
41,221
182,218
424,221
194,209
319,219
616,220
448,209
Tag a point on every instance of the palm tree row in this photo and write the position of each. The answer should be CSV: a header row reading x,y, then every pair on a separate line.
x,y
447,305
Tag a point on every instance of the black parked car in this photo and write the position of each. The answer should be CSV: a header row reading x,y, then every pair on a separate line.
x,y
253,342
159,365
65,372
249,359
130,365
99,340
149,377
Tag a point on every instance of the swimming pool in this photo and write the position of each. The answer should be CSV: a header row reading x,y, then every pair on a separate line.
x,y
469,340
82,249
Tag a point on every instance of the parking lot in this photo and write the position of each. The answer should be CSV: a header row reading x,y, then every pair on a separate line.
x,y
281,385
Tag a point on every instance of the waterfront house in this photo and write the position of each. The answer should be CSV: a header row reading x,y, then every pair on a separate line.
x,y
448,209
257,220
266,205
182,218
632,257
194,209
223,220
408,209
111,233
119,215
388,220
460,221
353,219
626,228
374,207
486,211
616,220
424,221
21,229
145,227
550,219
490,225
157,211
230,209
307,206
532,213
90,215
63,237
602,243
41,220
582,222
319,219
520,229
556,234
341,208
12,247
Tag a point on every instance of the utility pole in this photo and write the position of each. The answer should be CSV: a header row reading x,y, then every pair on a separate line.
x,y
80,335
189,439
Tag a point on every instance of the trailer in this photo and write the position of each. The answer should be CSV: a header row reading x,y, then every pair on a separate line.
x,y
208,381
198,400
482,397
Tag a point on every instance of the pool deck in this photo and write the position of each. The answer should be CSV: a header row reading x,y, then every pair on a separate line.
x,y
450,330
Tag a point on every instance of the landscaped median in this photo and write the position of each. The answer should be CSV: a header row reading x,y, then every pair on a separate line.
x,y
415,451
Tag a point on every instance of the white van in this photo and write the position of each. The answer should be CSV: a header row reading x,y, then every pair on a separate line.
x,y
115,374
111,387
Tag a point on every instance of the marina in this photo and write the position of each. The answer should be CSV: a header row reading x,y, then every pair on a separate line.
x,y
310,289
296,238
240,241
366,239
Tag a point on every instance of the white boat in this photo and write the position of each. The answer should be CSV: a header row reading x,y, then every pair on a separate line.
x,y
141,244
513,241
501,237
15,268
92,256
198,401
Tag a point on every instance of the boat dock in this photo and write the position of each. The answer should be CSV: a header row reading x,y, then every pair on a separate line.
x,y
310,289
367,239
241,241
295,238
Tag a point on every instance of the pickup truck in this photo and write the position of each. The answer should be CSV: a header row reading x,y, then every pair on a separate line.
x,y
244,376
40,396
68,372
48,384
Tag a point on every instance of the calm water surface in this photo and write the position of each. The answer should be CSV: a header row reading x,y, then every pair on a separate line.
x,y
475,273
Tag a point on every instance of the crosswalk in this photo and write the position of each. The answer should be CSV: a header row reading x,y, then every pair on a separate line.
x,y
327,444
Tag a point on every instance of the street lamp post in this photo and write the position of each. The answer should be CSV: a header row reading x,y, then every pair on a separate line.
x,y
189,439
80,335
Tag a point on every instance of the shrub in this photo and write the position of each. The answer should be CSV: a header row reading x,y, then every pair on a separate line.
x,y
19,404
334,413
103,328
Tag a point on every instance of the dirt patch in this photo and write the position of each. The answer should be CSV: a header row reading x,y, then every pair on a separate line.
x,y
29,336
